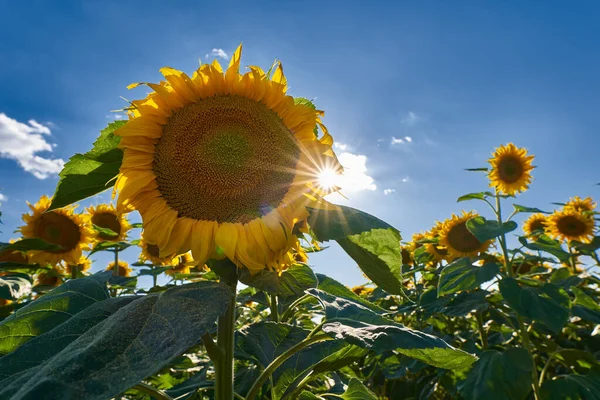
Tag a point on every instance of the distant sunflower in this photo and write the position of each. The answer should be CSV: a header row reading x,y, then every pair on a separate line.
x,y
181,265
53,277
535,225
581,205
511,169
84,264
223,164
13,256
150,252
458,240
61,227
406,252
106,216
124,269
362,290
437,250
569,224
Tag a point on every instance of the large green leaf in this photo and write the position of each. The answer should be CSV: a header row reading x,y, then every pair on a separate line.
x,y
499,376
265,341
465,303
85,175
29,244
49,311
547,303
124,348
585,307
573,387
371,242
463,275
292,282
547,244
356,391
484,229
335,288
14,286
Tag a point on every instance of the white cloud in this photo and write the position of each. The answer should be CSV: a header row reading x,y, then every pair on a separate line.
x,y
220,53
3,197
410,119
404,180
340,146
388,191
396,140
21,142
355,176
408,139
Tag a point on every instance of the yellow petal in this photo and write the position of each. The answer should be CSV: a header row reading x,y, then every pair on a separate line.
x,y
226,239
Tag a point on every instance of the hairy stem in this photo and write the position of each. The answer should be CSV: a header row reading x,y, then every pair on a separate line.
x,y
225,343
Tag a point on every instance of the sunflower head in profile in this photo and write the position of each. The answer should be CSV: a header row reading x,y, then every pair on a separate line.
x,y
62,227
150,253
437,250
124,269
458,240
406,252
223,164
362,290
182,264
535,225
52,277
106,216
83,265
510,171
568,224
578,204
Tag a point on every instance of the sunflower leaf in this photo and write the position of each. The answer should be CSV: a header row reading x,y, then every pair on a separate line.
x,y
484,229
545,243
29,244
105,231
483,169
85,175
472,196
522,209
463,275
585,387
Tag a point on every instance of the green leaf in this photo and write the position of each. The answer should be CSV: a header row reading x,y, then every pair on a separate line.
x,y
30,244
466,303
197,381
292,282
153,271
49,311
463,275
85,175
547,303
472,196
110,246
545,243
357,391
476,169
124,348
14,286
137,225
335,288
337,307
587,248
523,209
573,387
585,307
499,376
306,395
484,229
105,231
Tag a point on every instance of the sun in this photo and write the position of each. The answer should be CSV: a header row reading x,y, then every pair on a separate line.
x,y
329,178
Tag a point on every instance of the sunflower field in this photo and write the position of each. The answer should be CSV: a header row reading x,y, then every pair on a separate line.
x,y
225,170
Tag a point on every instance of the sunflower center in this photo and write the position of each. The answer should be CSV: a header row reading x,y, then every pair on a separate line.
x,y
225,159
58,229
462,240
537,225
571,226
107,221
510,169
153,250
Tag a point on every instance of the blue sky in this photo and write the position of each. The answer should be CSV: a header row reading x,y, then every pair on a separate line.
x,y
457,78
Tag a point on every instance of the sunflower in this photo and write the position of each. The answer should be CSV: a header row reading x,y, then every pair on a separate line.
x,y
458,240
84,264
53,277
181,265
13,256
223,164
362,290
406,252
511,169
61,227
151,253
107,217
437,250
581,205
568,224
535,225
5,302
124,269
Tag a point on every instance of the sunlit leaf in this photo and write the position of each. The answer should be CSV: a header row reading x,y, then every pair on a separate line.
x,y
484,229
463,275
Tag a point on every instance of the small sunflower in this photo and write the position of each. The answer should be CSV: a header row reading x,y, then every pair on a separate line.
x,y
5,302
223,164
535,225
511,169
569,224
362,290
458,240
181,265
437,250
406,252
150,252
61,227
124,269
84,264
106,216
13,256
53,277
416,238
581,205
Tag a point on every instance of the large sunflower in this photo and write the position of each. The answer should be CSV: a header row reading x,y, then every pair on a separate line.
x,y
223,164
535,225
106,216
61,227
458,240
581,205
568,224
124,269
511,169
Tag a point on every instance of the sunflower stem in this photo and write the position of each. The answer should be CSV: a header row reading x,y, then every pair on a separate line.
x,y
74,271
482,332
116,268
225,342
274,308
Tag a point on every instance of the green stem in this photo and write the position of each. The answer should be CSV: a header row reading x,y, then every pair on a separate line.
x,y
287,314
116,268
274,308
74,270
225,343
152,392
214,353
280,360
547,365
154,277
482,333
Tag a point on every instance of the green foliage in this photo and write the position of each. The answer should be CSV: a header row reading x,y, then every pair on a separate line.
x,y
85,175
573,387
29,244
463,275
484,229
292,281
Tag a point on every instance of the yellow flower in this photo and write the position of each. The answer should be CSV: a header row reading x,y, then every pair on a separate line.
x,y
437,250
223,164
569,224
581,205
13,256
151,253
53,277
511,169
362,290
535,225
124,269
458,240
61,227
406,252
181,265
84,264
107,217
